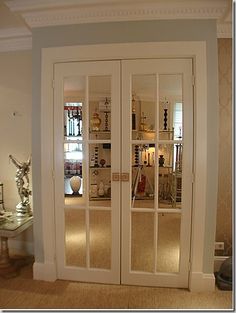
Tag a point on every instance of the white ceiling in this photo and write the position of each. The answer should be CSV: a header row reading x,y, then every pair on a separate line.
x,y
18,17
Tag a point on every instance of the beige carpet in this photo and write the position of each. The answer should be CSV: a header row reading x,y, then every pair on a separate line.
x,y
23,292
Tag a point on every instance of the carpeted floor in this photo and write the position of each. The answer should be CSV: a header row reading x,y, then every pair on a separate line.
x,y
22,292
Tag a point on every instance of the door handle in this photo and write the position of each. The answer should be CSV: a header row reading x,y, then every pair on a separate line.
x,y
115,176
118,176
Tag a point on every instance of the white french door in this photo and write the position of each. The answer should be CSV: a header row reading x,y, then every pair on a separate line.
x,y
123,169
86,132
157,111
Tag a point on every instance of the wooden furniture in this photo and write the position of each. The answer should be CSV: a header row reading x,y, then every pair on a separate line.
x,y
11,227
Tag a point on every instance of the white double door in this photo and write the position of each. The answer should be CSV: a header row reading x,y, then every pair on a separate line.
x,y
123,171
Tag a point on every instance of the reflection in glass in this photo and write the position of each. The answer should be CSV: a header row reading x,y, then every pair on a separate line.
x,y
100,107
73,174
143,106
170,175
142,242
168,242
100,239
75,237
170,107
100,174
143,176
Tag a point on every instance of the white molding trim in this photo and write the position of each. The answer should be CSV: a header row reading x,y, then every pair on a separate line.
x,y
15,44
14,32
114,14
195,50
44,13
44,271
201,282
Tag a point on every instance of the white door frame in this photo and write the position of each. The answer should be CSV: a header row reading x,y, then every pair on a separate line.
x,y
195,50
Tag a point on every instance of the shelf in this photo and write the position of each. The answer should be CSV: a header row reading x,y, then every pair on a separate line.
x,y
100,167
99,198
99,131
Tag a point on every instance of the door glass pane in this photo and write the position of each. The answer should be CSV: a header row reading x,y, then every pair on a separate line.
x,y
168,242
170,175
100,239
142,241
144,91
143,175
75,237
170,107
100,175
99,107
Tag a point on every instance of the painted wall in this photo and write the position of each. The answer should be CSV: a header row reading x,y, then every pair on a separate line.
x,y
122,32
224,208
15,125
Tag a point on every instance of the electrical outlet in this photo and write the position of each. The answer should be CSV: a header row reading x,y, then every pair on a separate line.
x,y
219,245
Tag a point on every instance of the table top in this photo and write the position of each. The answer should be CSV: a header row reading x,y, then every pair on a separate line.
x,y
14,225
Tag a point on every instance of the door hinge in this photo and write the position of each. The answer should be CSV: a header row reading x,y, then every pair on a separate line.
x,y
193,80
53,83
53,174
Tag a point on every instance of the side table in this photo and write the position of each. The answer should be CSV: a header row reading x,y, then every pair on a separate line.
x,y
13,226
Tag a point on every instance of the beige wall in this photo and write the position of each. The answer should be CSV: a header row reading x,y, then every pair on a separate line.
x,y
15,121
224,207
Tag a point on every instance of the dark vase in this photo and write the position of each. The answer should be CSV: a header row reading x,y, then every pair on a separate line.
x,y
161,161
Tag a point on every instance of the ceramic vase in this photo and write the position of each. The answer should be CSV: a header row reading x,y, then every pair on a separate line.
x,y
75,183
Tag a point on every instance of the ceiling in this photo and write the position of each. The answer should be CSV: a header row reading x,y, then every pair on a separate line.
x,y
19,17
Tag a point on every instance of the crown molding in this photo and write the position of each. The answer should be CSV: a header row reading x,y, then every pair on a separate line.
x,y
15,44
42,13
14,32
15,39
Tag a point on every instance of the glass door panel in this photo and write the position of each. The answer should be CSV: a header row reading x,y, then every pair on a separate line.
x,y
170,107
144,92
100,175
143,176
170,175
168,242
75,237
100,239
142,242
100,107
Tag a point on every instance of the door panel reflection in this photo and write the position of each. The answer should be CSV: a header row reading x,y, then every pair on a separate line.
x,y
143,175
75,237
168,242
170,175
142,242
100,239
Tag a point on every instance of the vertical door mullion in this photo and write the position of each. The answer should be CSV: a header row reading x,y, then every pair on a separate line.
x,y
156,203
86,147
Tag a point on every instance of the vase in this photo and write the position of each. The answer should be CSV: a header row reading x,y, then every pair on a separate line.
x,y
101,190
161,161
75,183
95,122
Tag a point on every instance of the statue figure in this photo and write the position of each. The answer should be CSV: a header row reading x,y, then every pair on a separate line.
x,y
22,183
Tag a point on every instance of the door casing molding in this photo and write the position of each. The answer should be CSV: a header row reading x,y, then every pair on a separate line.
x,y
195,50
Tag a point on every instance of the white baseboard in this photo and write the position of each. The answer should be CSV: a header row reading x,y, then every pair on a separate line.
x,y
218,260
44,271
201,282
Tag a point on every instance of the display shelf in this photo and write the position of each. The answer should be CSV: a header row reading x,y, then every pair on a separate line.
x,y
99,198
108,167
